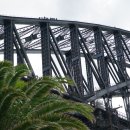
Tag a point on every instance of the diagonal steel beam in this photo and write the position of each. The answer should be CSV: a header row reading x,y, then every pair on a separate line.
x,y
61,60
23,50
91,62
105,91
20,58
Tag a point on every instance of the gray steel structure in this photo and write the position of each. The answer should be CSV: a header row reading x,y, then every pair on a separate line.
x,y
105,50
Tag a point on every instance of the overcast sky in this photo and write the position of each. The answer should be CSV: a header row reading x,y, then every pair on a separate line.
x,y
107,12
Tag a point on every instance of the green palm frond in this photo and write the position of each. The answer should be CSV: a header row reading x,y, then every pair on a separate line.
x,y
71,122
7,99
55,82
5,64
25,125
15,78
9,75
37,124
62,106
31,105
43,86
65,121
5,73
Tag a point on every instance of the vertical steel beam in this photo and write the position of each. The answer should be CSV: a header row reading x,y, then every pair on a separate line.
x,y
45,48
89,78
69,64
102,66
69,60
76,61
8,41
123,75
120,56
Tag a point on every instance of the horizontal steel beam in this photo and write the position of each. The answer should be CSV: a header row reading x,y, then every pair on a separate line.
x,y
55,22
108,90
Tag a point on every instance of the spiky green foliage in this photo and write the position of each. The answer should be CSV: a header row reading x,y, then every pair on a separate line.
x,y
31,106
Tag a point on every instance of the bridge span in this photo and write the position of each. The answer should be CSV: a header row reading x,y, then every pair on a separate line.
x,y
105,51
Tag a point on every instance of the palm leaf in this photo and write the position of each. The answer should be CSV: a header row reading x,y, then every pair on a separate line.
x,y
7,98
31,106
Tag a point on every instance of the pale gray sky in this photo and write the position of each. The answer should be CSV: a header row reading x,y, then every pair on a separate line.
x,y
106,12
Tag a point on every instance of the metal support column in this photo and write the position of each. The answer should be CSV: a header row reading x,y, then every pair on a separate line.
x,y
120,56
69,64
89,78
69,60
102,66
103,70
8,41
123,75
45,48
76,61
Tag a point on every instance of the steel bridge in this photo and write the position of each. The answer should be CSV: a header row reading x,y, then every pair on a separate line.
x,y
103,51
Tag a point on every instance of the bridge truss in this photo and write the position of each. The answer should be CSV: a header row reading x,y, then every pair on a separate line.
x,y
105,51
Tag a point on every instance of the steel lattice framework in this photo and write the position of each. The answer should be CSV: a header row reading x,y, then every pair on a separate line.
x,y
105,51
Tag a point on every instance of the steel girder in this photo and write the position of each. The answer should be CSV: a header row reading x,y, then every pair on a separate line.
x,y
8,41
123,76
99,94
89,78
56,22
102,66
69,64
76,61
45,48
